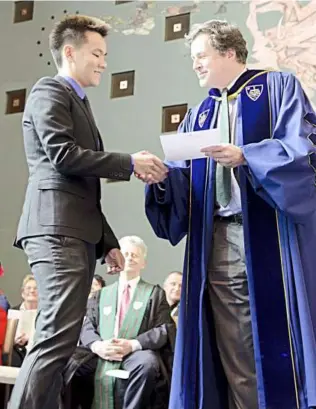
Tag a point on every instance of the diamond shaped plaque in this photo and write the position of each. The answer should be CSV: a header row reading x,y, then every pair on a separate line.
x,y
15,101
122,84
172,116
177,26
23,11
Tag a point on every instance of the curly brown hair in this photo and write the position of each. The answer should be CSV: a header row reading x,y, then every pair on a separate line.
x,y
223,37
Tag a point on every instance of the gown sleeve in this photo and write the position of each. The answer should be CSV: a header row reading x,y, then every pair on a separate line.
x,y
282,169
167,203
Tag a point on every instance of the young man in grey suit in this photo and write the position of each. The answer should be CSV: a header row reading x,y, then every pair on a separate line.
x,y
62,229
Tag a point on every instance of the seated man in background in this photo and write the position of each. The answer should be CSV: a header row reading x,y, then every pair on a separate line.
x,y
172,287
129,327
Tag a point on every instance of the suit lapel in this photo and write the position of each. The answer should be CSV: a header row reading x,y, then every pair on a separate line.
x,y
101,142
85,108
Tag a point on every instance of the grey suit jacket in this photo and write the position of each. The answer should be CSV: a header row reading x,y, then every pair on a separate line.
x,y
66,160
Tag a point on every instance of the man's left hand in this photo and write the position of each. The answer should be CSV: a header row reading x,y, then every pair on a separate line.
x,y
124,344
227,155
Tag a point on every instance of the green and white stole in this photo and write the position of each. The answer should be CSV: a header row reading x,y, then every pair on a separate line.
x,y
103,384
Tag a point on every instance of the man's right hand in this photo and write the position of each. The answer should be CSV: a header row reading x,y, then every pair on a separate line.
x,y
115,261
149,167
21,340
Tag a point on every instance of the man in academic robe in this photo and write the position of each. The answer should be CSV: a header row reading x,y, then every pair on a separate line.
x,y
129,327
246,334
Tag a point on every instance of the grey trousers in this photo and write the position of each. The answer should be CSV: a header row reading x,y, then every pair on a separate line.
x,y
228,289
63,268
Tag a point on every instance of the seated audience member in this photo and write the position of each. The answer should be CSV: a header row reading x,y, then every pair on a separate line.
x,y
129,328
30,299
172,287
4,303
4,306
3,327
98,283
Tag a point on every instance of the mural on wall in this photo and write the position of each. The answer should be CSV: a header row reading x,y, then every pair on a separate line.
x,y
290,44
143,20
141,23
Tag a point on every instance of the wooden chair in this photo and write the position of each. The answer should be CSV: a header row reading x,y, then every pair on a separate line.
x,y
9,341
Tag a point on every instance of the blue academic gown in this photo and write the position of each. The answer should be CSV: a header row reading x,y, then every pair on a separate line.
x,y
276,128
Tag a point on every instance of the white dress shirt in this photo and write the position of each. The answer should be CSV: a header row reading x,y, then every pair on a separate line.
x,y
234,206
121,286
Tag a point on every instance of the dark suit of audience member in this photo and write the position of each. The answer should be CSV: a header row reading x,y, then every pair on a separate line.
x,y
150,366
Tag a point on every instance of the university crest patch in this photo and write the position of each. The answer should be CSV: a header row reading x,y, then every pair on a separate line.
x,y
107,310
202,117
137,305
254,91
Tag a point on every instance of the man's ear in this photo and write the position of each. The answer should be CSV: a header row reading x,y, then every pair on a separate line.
x,y
68,52
231,53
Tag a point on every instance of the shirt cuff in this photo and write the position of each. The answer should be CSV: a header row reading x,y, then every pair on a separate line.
x,y
94,346
136,345
161,187
132,164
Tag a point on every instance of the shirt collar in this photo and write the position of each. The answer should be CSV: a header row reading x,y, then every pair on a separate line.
x,y
241,78
79,90
236,78
133,283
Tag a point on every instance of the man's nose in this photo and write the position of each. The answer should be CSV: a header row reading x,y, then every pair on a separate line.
x,y
103,65
196,65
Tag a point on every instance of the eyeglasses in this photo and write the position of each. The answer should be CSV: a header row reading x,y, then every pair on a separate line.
x,y
30,288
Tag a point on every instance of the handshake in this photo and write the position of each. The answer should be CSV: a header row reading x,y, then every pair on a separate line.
x,y
149,168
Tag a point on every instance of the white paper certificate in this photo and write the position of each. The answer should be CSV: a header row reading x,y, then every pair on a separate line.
x,y
118,373
187,145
